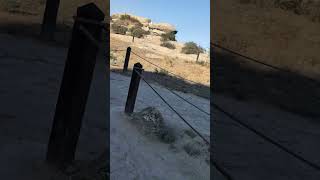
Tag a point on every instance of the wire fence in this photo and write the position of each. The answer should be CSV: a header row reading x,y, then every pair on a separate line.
x,y
254,130
314,81
214,163
169,72
98,44
218,167
217,107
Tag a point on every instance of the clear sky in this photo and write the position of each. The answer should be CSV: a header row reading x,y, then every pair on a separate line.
x,y
190,17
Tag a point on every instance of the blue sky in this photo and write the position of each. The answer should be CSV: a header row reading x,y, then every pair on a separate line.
x,y
190,17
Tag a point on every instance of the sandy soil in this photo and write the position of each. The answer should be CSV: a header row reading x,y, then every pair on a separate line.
x,y
135,156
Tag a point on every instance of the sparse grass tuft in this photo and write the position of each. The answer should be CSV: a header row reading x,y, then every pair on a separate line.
x,y
191,149
168,45
161,72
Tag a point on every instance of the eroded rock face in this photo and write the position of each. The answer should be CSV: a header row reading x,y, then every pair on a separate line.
x,y
151,123
156,32
156,29
165,27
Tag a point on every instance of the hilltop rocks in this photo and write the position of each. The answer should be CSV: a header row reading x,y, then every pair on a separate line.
x,y
164,27
156,32
155,29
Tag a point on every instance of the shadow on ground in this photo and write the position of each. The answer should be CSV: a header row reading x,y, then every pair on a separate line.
x,y
244,80
172,82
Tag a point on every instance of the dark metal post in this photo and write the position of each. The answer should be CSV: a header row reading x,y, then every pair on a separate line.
x,y
126,60
133,89
74,90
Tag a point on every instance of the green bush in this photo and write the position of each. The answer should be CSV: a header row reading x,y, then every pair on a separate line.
x,y
131,19
192,48
169,36
118,29
138,32
168,45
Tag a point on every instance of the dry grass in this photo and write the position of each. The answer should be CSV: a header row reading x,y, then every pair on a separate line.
x,y
199,73
279,37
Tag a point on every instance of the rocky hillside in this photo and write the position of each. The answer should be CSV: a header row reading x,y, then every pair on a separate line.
x,y
155,45
129,21
161,37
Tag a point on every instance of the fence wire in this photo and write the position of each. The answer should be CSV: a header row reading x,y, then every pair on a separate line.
x,y
163,68
98,44
175,111
317,83
266,138
182,98
232,117
176,94
258,133
215,164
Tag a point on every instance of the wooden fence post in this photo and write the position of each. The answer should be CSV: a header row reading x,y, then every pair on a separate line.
x,y
126,60
133,89
49,21
74,90
198,56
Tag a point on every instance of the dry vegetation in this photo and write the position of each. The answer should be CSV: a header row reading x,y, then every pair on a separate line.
x,y
280,37
170,60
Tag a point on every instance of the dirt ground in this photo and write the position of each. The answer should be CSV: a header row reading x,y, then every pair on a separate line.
x,y
137,156
31,74
246,156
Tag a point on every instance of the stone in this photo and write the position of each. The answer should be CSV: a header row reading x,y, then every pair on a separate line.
x,y
165,27
156,32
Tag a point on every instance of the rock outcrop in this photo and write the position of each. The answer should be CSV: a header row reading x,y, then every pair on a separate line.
x,y
165,27
156,29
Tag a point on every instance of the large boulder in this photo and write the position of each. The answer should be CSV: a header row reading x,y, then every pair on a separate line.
x,y
162,27
156,32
